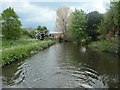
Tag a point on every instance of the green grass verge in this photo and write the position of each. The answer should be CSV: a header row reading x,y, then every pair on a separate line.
x,y
106,45
16,50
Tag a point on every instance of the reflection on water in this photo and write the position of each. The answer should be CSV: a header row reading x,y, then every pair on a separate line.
x,y
61,66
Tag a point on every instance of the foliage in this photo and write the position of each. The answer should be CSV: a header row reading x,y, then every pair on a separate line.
x,y
106,45
93,20
12,43
24,32
109,29
11,25
77,25
0,18
40,28
32,34
109,25
0,25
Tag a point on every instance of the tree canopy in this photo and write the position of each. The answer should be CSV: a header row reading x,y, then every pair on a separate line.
x,y
109,25
77,25
41,28
11,25
93,21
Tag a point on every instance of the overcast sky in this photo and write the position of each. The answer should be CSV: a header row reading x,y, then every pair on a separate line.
x,y
43,12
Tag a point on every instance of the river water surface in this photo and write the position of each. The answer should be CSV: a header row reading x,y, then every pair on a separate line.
x,y
63,65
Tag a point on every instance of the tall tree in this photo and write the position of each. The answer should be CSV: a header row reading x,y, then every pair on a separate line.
x,y
11,25
62,20
93,20
77,25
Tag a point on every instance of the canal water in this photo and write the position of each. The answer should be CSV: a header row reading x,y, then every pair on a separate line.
x,y
64,65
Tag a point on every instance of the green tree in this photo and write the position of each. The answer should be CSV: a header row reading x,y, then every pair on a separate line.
x,y
24,32
77,25
93,20
11,25
32,34
109,25
28,33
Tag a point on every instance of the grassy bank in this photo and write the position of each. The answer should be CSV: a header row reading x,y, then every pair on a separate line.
x,y
105,45
19,49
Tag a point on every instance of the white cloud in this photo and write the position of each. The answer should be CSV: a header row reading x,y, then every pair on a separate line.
x,y
34,13
99,5
95,5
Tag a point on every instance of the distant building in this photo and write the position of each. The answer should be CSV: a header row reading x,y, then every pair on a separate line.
x,y
56,34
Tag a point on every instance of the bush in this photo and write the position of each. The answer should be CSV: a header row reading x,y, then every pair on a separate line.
x,y
110,45
25,33
32,34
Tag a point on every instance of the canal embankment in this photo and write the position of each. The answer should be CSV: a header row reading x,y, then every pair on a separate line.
x,y
22,48
104,45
